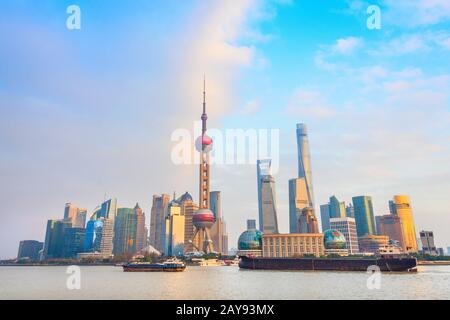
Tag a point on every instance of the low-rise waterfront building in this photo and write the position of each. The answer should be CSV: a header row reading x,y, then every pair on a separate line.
x,y
292,245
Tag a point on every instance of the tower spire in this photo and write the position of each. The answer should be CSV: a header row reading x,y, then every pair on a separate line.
x,y
204,115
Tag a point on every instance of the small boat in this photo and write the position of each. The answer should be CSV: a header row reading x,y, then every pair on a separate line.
x,y
211,263
171,265
234,262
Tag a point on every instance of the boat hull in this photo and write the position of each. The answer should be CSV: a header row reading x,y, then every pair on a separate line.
x,y
329,264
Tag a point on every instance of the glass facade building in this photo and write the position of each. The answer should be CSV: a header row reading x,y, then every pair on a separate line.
x,y
29,249
364,216
267,203
301,194
401,206
73,242
304,161
125,229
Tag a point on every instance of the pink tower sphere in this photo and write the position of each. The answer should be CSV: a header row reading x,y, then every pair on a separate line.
x,y
203,143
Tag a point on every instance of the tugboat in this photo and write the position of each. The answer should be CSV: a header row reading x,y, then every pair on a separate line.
x,y
171,265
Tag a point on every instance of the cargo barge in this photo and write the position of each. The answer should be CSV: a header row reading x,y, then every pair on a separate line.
x,y
386,264
167,266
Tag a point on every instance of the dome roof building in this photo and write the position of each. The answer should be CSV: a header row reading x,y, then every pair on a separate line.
x,y
250,242
334,239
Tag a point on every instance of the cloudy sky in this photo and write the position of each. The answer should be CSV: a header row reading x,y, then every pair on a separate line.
x,y
88,114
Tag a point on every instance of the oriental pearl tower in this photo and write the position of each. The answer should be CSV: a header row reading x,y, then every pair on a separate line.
x,y
203,218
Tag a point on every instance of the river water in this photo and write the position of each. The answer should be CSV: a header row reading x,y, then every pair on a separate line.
x,y
108,282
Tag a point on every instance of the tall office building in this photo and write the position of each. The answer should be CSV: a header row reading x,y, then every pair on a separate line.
x,y
99,234
325,217
337,208
307,223
298,200
301,193
188,207
391,225
93,235
49,245
174,230
73,242
350,211
364,216
401,206
224,239
333,209
106,243
54,238
141,236
304,161
125,230
218,230
29,249
347,226
76,216
267,202
157,221
428,246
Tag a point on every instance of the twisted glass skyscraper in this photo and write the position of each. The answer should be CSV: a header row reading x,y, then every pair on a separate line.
x,y
304,161
301,193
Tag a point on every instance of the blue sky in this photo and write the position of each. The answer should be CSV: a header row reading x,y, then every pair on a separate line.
x,y
88,113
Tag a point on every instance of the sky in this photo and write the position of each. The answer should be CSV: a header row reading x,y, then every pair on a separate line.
x,y
89,114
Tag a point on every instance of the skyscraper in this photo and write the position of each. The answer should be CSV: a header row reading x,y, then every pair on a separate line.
x,y
337,208
188,207
298,200
218,231
157,220
391,225
325,217
304,162
267,202
76,216
350,211
125,229
301,193
401,206
174,230
334,209
141,235
29,249
347,226
54,238
100,229
73,242
428,246
364,216
307,222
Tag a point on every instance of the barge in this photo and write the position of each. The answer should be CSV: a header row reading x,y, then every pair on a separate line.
x,y
386,264
166,266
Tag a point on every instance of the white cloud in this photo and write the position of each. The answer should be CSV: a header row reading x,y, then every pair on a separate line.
x,y
309,104
347,46
409,13
250,108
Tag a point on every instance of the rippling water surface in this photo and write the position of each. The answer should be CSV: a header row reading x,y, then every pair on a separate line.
x,y
431,282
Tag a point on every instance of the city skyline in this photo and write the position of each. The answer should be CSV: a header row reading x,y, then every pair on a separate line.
x,y
376,108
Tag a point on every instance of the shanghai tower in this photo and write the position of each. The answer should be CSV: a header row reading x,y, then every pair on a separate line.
x,y
301,193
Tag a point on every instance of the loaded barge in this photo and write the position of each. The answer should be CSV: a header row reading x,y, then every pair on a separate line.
x,y
386,264
167,266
